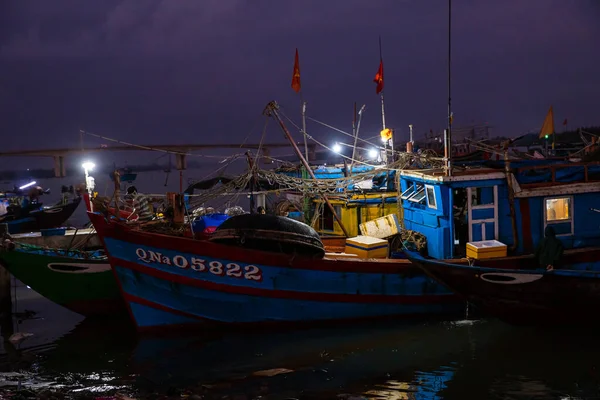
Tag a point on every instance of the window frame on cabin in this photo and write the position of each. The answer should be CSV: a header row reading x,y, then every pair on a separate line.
x,y
570,220
419,189
405,195
429,204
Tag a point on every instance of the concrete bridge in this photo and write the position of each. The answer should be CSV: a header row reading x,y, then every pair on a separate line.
x,y
181,151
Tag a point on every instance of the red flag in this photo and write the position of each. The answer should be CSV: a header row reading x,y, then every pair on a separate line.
x,y
565,122
296,75
379,77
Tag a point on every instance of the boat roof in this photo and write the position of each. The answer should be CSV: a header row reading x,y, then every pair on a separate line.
x,y
438,175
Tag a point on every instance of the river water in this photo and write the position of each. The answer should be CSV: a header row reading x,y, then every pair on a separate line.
x,y
433,359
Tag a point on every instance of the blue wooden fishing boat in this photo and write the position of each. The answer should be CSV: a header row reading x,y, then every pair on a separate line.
x,y
525,296
170,280
510,216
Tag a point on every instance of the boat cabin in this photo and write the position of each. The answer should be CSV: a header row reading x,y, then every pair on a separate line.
x,y
486,203
363,201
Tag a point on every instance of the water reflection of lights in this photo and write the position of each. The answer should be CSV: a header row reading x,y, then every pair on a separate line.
x,y
425,385
99,389
394,390
98,377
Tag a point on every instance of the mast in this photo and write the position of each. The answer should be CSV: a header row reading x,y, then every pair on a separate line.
x,y
448,136
355,137
271,110
304,125
383,109
356,131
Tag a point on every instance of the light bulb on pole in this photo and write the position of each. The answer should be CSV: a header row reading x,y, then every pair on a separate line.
x,y
337,148
89,180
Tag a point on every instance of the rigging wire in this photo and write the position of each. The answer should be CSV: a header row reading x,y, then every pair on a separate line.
x,y
330,149
153,148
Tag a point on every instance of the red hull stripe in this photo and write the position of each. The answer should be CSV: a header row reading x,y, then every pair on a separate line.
x,y
248,256
285,294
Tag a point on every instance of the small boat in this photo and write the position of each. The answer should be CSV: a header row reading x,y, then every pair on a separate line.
x,y
40,218
523,296
170,281
126,175
81,281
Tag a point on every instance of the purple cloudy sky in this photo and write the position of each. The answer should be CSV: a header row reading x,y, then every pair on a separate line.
x,y
176,71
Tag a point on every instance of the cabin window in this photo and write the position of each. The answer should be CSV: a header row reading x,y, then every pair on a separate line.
x,y
559,213
410,190
482,196
431,201
558,210
419,195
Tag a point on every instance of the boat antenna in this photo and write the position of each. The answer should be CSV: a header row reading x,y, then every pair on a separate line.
x,y
448,135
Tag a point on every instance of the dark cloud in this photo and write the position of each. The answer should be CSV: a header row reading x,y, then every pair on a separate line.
x,y
201,71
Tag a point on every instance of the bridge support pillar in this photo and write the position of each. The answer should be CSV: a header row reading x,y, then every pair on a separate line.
x,y
60,170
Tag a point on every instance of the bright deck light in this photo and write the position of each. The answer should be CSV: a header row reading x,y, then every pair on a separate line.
x,y
88,166
373,154
337,148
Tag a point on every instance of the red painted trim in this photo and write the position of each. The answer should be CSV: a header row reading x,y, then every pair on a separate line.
x,y
128,234
204,323
526,225
284,294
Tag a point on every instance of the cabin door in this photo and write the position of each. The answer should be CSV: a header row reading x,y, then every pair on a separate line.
x,y
482,203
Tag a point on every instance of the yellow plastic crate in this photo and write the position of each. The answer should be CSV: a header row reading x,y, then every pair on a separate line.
x,y
381,228
486,249
367,247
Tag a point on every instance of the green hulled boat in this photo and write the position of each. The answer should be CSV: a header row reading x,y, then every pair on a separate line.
x,y
80,280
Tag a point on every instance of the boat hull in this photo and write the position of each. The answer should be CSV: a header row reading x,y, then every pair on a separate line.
x,y
174,281
86,287
522,297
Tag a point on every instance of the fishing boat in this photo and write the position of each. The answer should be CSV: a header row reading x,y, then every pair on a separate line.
x,y
126,175
32,219
79,280
523,296
243,274
174,280
489,229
